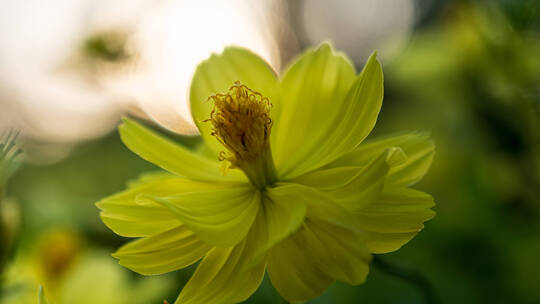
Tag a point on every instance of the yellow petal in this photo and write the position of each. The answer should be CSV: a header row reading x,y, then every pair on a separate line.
x,y
302,266
320,205
222,278
328,177
418,148
361,112
354,187
327,247
367,184
164,252
278,218
341,253
395,218
146,177
171,156
221,215
296,278
127,216
313,91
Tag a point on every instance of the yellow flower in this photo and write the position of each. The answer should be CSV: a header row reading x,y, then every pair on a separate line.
x,y
69,273
299,194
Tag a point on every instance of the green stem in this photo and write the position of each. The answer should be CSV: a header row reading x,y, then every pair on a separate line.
x,y
413,277
3,247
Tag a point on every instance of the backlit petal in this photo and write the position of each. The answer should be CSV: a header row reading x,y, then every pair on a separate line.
x,y
354,187
340,252
305,264
313,91
364,101
278,217
329,177
395,217
127,216
418,148
171,156
367,184
222,278
295,277
221,215
320,205
164,252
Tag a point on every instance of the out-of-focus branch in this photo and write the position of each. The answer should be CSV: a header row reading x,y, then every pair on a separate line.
x,y
413,277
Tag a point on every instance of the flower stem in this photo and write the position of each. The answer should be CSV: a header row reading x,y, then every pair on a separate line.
x,y
411,276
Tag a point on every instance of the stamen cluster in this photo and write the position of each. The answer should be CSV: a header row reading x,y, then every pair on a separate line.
x,y
241,122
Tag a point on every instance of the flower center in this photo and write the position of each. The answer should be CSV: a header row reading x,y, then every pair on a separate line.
x,y
241,122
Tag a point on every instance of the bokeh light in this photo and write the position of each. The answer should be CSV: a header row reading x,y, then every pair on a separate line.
x,y
71,68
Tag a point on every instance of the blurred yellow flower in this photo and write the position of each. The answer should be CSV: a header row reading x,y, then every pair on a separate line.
x,y
65,273
310,202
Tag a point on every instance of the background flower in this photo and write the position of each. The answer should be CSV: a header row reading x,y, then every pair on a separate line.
x,y
72,67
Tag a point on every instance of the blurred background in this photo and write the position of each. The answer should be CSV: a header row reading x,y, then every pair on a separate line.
x,y
466,71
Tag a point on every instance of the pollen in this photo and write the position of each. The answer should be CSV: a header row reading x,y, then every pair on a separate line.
x,y
241,122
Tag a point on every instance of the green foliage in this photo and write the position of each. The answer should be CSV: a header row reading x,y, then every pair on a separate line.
x,y
41,296
8,156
